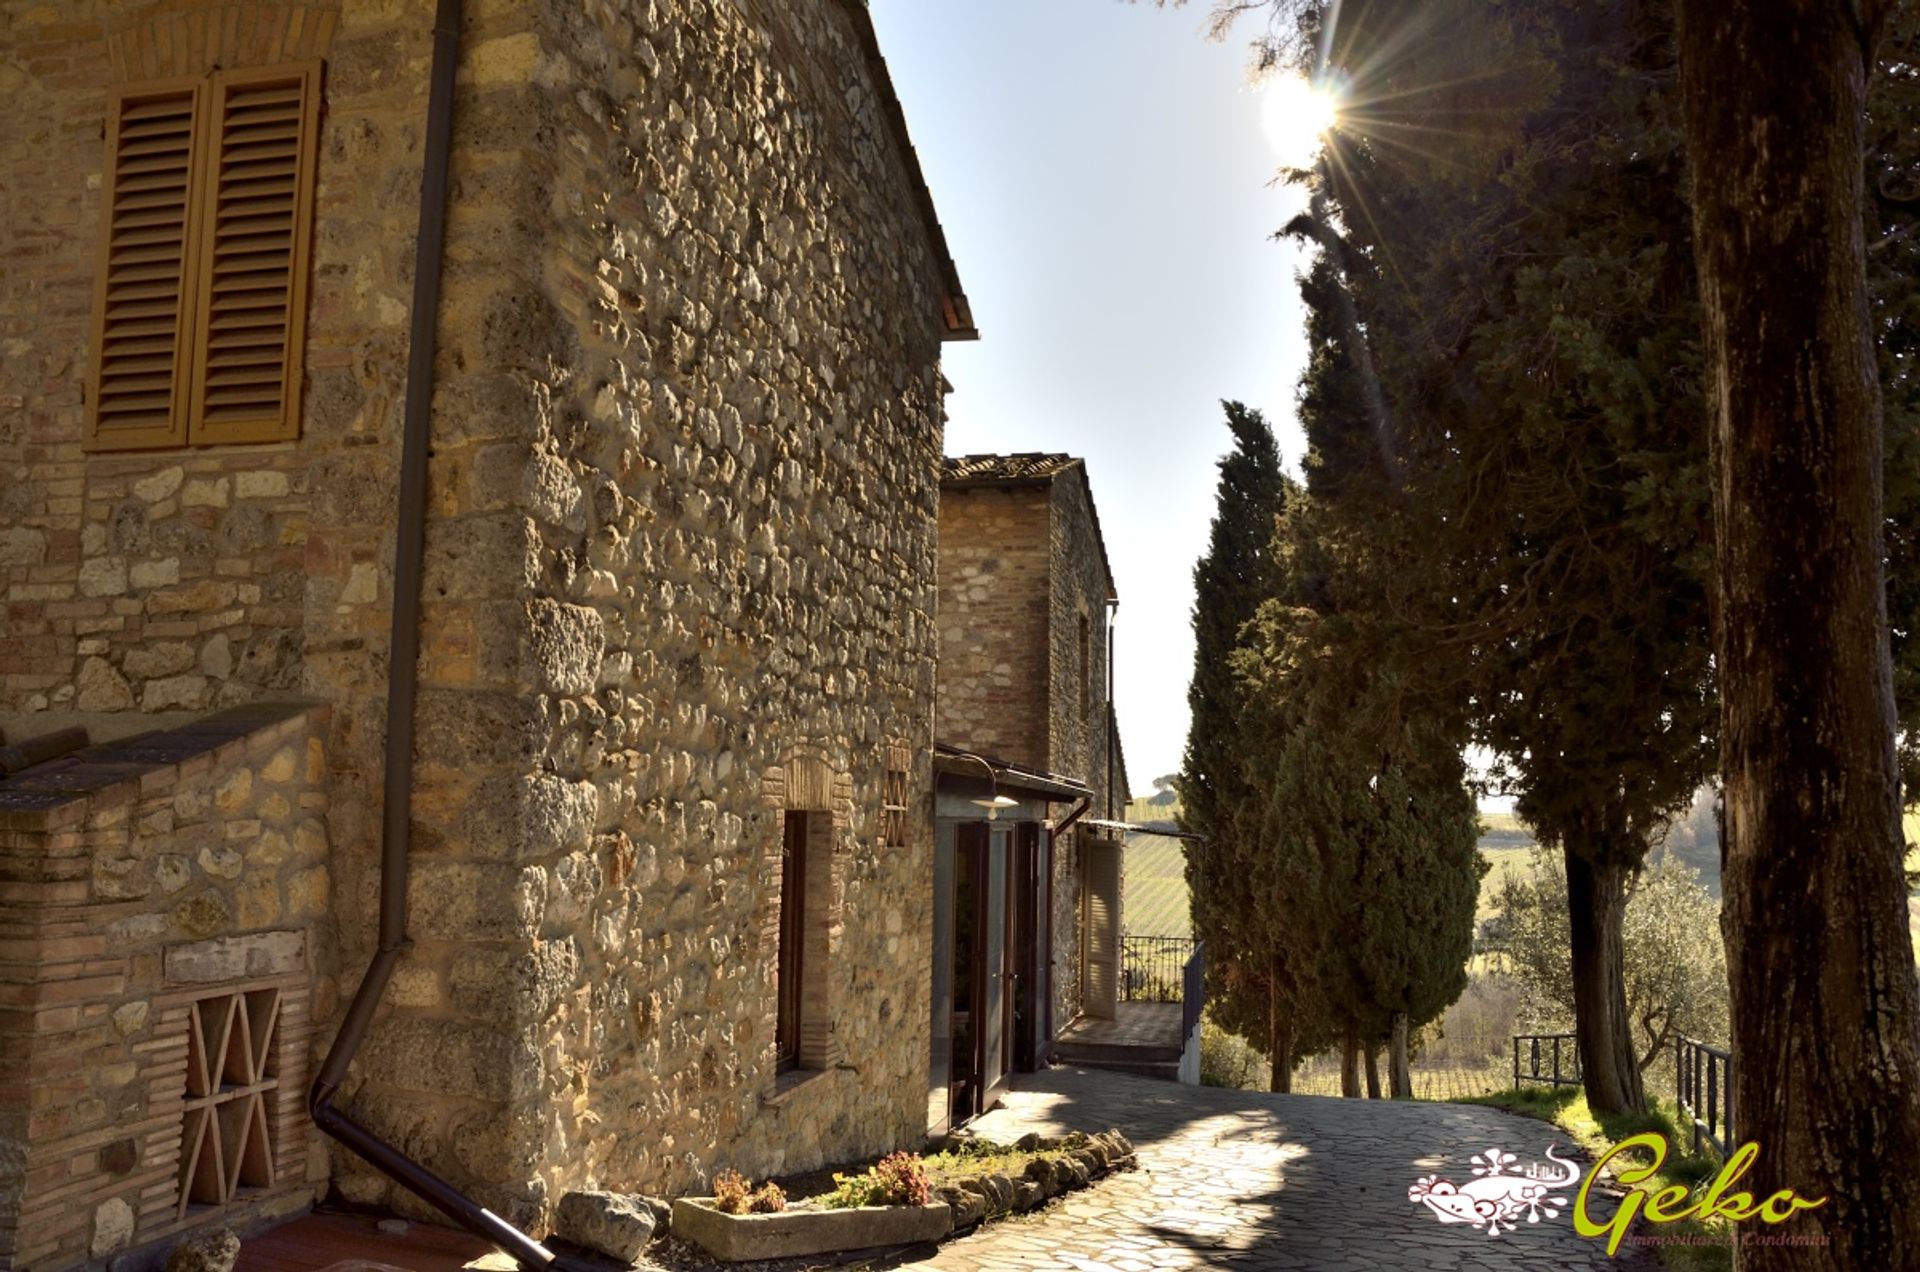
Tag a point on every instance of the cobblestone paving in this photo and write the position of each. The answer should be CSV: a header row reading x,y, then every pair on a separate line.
x,y
1243,1179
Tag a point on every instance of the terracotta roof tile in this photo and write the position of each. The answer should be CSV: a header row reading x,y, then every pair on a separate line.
x,y
1028,466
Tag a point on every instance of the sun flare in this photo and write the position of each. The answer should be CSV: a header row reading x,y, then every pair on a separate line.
x,y
1295,115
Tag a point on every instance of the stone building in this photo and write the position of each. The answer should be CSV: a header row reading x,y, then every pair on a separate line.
x,y
1027,894
670,803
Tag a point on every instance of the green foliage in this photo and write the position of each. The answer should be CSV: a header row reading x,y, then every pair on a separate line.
x,y
1217,794
1504,401
1226,1060
898,1179
1676,968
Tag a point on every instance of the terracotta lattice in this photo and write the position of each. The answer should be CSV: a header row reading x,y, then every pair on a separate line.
x,y
225,1145
894,797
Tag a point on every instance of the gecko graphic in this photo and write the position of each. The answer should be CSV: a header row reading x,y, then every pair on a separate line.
x,y
1500,1196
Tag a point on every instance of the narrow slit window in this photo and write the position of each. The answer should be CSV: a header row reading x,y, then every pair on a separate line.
x,y
790,967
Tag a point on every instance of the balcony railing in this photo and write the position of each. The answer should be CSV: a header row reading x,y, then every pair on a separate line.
x,y
1193,994
1153,969
1549,1058
1704,1076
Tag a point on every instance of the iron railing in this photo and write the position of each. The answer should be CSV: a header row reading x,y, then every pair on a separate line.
x,y
1153,968
1193,994
1559,1056
1704,1076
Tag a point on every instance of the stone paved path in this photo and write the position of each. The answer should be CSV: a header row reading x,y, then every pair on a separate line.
x,y
1243,1179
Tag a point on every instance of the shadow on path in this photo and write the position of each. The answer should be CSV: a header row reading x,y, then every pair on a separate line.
x,y
1245,1179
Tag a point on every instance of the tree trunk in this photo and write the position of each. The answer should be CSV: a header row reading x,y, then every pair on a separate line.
x,y
1399,1076
1826,1008
1372,1054
1350,1066
1279,1036
1603,1034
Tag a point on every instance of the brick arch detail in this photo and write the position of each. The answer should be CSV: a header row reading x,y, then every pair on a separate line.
x,y
808,782
183,37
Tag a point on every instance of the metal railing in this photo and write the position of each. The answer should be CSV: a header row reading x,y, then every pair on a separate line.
x,y
1153,968
1559,1054
1704,1076
1193,995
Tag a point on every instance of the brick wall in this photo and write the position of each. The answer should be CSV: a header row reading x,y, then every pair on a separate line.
x,y
995,611
135,881
1023,657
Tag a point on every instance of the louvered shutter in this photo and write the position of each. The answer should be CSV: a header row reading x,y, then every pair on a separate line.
x,y
252,262
143,302
1101,987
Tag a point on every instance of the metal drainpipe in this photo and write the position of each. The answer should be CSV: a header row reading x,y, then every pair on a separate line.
x,y
409,550
1113,607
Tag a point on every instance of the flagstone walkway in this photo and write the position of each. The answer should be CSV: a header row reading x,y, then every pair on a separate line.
x,y
1243,1179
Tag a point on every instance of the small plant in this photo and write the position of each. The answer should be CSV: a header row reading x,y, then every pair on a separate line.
x,y
898,1179
852,1192
903,1179
732,1195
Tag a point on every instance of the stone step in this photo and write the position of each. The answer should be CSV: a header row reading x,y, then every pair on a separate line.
x,y
1167,1070
1093,1053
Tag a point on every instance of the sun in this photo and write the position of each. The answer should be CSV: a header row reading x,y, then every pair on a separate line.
x,y
1295,115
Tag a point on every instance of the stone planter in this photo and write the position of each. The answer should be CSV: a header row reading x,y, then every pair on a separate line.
x,y
791,1233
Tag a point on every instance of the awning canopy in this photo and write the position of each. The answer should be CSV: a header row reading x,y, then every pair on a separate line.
x,y
1006,775
1134,828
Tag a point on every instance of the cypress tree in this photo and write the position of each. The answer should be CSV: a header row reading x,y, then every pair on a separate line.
x,y
1217,801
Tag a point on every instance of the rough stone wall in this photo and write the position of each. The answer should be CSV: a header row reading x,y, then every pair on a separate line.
x,y
693,592
995,611
156,582
682,514
1021,569
143,877
141,588
1076,733
1077,593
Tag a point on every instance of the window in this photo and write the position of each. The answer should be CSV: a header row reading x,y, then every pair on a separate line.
x,y
232,1069
1086,670
893,798
791,965
200,303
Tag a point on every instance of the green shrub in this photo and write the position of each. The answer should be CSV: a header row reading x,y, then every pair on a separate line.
x,y
898,1179
1228,1060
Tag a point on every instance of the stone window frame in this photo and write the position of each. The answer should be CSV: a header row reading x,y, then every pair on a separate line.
x,y
808,784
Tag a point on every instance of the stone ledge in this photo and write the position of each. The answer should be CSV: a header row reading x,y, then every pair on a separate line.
x,y
61,789
790,1082
794,1233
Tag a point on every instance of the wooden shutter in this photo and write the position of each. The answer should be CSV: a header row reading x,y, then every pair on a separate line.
x,y
1101,986
256,229
142,299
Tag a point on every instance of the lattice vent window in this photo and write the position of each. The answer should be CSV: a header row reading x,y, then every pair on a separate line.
x,y
893,798
232,1070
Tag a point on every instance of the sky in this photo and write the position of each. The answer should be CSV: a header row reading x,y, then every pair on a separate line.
x,y
1105,177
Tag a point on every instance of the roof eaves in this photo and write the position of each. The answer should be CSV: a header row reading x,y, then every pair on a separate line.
x,y
956,316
